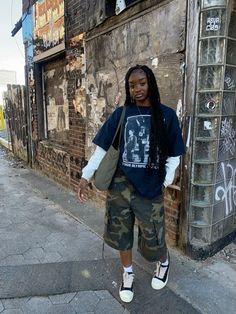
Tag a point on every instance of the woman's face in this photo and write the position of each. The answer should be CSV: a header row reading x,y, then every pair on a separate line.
x,y
138,88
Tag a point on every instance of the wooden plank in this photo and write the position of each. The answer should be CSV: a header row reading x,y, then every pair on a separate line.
x,y
189,105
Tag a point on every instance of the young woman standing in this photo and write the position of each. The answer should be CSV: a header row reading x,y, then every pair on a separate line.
x,y
136,191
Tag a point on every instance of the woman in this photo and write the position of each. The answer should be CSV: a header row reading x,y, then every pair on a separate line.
x,y
136,191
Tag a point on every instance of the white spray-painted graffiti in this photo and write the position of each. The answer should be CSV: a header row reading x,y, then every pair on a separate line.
x,y
227,192
230,83
228,134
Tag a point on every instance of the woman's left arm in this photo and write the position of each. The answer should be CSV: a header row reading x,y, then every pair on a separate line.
x,y
171,165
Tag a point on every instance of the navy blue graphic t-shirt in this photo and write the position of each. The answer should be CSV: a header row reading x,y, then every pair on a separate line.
x,y
134,146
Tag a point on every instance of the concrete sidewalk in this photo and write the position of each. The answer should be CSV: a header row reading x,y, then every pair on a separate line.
x,y
51,258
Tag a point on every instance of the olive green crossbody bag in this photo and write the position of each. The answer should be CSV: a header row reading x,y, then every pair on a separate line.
x,y
107,167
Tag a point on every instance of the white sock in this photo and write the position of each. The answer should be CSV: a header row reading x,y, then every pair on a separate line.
x,y
128,269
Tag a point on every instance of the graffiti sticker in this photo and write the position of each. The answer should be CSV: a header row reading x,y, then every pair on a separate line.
x,y
213,24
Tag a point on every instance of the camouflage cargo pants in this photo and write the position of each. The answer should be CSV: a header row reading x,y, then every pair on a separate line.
x,y
123,206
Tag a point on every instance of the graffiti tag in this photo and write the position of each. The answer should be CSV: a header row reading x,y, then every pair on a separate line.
x,y
227,192
230,83
228,134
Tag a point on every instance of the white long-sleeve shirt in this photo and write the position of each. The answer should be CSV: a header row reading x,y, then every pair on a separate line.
x,y
94,161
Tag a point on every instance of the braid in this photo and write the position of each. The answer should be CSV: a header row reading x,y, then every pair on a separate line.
x,y
158,132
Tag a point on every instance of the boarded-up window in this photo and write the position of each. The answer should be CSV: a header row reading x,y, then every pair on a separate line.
x,y
56,103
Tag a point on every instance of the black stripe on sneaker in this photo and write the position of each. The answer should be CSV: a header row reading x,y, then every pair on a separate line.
x,y
166,273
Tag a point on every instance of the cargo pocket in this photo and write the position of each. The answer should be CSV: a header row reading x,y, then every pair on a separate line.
x,y
159,228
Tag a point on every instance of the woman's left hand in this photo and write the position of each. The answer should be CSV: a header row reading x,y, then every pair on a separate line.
x,y
83,190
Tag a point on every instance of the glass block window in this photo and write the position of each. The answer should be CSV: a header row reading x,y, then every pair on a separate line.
x,y
204,173
207,127
203,194
200,235
225,170
212,51
229,103
213,201
231,52
210,77
205,150
211,3
209,103
230,79
213,23
232,25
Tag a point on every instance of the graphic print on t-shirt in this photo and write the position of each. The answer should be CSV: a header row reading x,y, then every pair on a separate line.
x,y
136,141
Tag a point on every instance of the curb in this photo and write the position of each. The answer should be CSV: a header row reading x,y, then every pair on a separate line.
x,y
5,143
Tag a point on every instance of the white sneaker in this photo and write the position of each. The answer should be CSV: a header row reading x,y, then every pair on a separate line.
x,y
161,276
126,291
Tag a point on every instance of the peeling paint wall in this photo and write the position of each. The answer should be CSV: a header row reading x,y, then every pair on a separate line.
x,y
52,154
48,24
159,43
17,119
55,90
77,106
76,66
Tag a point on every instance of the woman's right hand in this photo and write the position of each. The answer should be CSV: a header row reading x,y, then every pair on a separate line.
x,y
83,190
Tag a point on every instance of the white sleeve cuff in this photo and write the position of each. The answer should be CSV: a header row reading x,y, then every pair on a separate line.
x,y
93,163
171,165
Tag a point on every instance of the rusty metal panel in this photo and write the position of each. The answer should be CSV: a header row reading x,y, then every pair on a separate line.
x,y
159,43
16,116
55,93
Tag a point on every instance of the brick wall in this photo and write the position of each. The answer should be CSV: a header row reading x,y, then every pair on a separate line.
x,y
76,88
172,203
54,162
75,17
63,164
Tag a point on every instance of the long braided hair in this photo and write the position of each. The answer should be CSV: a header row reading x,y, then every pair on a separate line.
x,y
158,136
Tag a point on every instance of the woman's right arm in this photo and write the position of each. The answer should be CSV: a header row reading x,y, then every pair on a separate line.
x,y
88,172
102,140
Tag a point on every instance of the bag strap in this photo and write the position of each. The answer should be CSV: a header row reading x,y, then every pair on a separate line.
x,y
122,116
